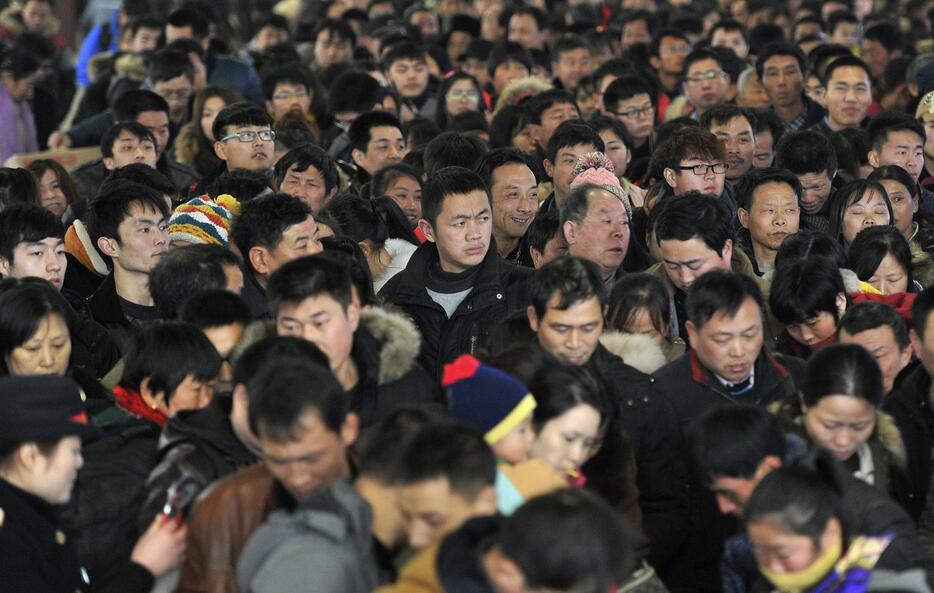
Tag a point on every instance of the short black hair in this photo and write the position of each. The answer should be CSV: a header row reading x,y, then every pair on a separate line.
x,y
309,276
685,142
496,158
112,205
871,315
746,189
337,28
305,156
142,174
840,16
129,105
700,54
601,123
262,221
537,104
723,113
450,451
380,448
543,229
571,279
626,87
242,113
184,271
449,181
291,73
846,62
169,63
113,132
284,390
721,291
695,215
242,184
387,176
146,21
656,43
190,16
272,349
452,149
803,289
26,222
215,307
807,243
360,129
805,152
354,91
732,441
508,51
634,293
572,133
404,50
771,50
921,310
887,34
872,244
567,43
541,18
892,121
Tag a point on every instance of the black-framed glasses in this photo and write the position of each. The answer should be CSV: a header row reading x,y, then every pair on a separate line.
x,y
702,76
636,113
703,169
250,136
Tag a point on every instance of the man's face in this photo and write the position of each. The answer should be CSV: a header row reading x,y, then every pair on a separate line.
x,y
308,185
571,66
37,16
289,96
571,334
728,346
432,510
903,148
145,40
506,72
733,40
849,94
331,48
774,215
554,248
426,22
553,117
562,170
524,30
765,150
671,54
143,239
846,34
39,259
817,188
685,179
705,84
740,143
752,94
324,322
254,154
880,342
172,33
638,115
924,348
129,148
310,462
876,57
409,77
783,80
176,92
269,36
157,122
386,147
733,493
461,231
636,32
297,240
686,261
603,235
514,194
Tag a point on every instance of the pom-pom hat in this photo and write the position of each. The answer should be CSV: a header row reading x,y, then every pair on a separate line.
x,y
204,220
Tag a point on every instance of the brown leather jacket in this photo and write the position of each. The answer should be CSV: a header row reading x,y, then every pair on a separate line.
x,y
219,527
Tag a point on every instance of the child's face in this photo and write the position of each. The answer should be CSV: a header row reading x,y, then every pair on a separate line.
x,y
514,447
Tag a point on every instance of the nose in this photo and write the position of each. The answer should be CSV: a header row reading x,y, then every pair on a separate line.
x,y
573,340
843,439
710,174
735,348
726,505
419,537
46,357
52,262
806,334
686,276
869,221
577,455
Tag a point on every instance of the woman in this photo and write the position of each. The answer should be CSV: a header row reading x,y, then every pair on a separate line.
x,y
619,150
801,533
194,146
42,423
19,72
57,191
401,183
855,206
459,94
639,306
807,296
881,257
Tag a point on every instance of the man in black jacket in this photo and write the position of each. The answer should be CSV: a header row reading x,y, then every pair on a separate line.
x,y
568,300
455,287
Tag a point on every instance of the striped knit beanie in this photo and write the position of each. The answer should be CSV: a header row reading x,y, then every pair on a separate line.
x,y
204,220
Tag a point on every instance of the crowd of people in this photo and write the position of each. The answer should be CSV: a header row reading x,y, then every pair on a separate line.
x,y
468,296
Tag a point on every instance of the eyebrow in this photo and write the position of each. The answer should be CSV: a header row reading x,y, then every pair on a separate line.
x,y
742,331
149,221
466,216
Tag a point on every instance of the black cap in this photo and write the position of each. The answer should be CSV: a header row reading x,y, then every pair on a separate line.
x,y
42,408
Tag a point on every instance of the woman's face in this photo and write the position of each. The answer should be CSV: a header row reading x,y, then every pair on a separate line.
x,y
20,89
616,151
53,476
51,193
46,352
904,206
191,394
406,192
869,210
567,441
523,141
840,424
209,112
640,322
781,552
890,277
461,97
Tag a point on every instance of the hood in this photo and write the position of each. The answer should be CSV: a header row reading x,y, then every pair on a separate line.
x,y
256,331
100,65
638,351
130,66
399,342
79,244
187,146
521,89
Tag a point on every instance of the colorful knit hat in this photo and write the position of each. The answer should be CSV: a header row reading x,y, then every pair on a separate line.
x,y
486,398
595,168
203,220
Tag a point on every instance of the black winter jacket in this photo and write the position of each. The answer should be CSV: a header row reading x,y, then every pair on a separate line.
x,y
910,406
500,289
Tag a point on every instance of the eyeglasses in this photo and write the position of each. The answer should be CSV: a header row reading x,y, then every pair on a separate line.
x,y
472,95
636,113
703,169
176,94
287,96
250,136
702,76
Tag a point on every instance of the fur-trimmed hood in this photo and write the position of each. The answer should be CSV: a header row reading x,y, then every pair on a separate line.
x,y
131,66
517,89
186,144
638,351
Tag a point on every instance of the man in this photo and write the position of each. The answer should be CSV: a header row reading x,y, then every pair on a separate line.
x,y
455,287
243,137
768,130
349,95
288,87
128,142
666,56
371,352
811,158
768,214
507,61
693,160
896,138
879,329
334,40
734,128
271,230
844,28
567,144
749,90
781,68
376,141
882,43
693,234
514,197
849,95
568,300
705,81
528,27
572,60
184,271
546,111
727,365
307,172
639,27
298,413
127,224
731,34
595,223
405,66
630,100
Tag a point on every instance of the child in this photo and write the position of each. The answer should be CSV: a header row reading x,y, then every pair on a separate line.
x,y
500,407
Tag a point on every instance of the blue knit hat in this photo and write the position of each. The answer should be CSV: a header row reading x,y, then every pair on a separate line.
x,y
486,398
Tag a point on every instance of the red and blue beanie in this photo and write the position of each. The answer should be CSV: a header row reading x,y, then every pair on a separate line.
x,y
486,398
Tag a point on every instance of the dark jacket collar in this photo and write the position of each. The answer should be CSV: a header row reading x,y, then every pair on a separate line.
x,y
105,303
769,373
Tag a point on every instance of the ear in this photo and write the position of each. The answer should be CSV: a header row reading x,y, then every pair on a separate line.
x,y
904,357
570,232
156,401
533,318
670,177
28,453
259,259
269,107
109,163
768,463
331,193
743,216
5,267
692,331
426,229
915,339
365,248
841,304
485,503
108,246
350,429
549,168
220,150
537,257
654,62
873,158
353,315
728,250
505,575
358,157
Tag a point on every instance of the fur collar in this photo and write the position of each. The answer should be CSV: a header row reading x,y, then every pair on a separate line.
x,y
638,351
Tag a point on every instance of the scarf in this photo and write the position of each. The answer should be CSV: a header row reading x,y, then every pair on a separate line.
x,y
132,402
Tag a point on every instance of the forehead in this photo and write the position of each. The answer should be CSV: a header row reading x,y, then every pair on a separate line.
x,y
869,196
576,149
704,65
385,132
153,118
637,99
309,306
290,84
585,310
600,200
511,172
693,248
737,124
903,137
746,315
850,74
141,210
774,190
407,62
309,170
460,204
426,495
180,80
127,135
310,433
871,338
780,61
